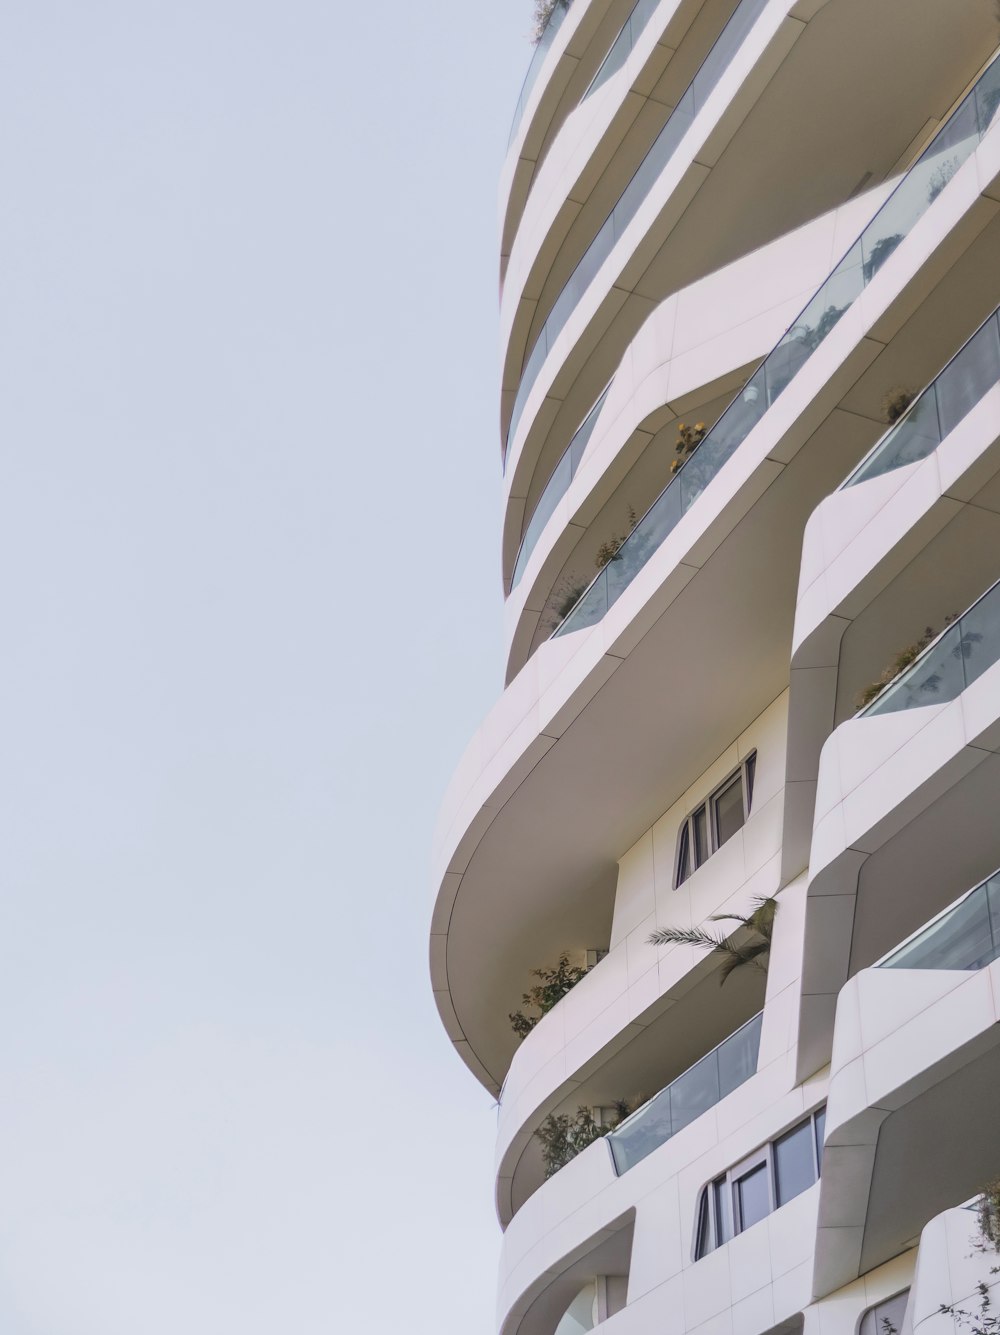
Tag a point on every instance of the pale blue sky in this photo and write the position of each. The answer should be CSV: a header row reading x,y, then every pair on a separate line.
x,y
249,514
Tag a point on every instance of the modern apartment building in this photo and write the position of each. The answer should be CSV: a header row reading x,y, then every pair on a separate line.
x,y
750,425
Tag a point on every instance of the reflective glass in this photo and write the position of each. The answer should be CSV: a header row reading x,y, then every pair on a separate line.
x,y
660,152
993,900
753,1196
555,489
579,1316
684,854
750,770
819,1120
909,201
691,1094
934,679
699,822
723,1211
589,609
729,809
537,60
794,1162
695,1091
622,46
961,939
916,436
966,379
978,641
886,1318
738,1056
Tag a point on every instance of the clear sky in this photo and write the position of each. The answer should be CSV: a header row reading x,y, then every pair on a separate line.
x,y
250,601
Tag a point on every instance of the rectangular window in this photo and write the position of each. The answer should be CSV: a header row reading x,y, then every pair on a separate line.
x,y
766,1180
727,806
716,820
795,1162
752,1197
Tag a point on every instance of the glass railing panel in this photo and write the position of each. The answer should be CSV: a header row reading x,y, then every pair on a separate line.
x,y
934,679
987,94
908,202
623,44
993,902
556,488
916,436
971,373
954,661
732,37
738,1056
979,637
537,61
700,1088
631,198
962,938
968,377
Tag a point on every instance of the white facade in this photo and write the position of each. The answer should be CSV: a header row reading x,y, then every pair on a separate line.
x,y
772,218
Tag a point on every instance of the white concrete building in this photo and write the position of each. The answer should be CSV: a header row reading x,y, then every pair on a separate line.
x,y
778,220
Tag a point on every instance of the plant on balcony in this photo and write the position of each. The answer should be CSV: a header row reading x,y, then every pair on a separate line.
x,y
544,9
752,950
881,251
898,665
608,551
551,986
988,1219
562,1136
895,403
688,440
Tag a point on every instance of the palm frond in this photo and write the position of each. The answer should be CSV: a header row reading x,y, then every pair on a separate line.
x,y
684,936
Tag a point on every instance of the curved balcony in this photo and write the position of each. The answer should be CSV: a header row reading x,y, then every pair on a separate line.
x,y
916,1046
905,796
630,201
923,498
906,206
587,1199
703,211
569,768
683,364
542,48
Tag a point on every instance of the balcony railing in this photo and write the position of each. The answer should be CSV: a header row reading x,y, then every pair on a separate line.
x,y
710,72
701,1087
916,192
621,47
556,488
935,413
537,61
953,661
965,936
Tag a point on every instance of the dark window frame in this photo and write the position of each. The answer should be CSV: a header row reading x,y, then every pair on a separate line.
x,y
705,817
718,1212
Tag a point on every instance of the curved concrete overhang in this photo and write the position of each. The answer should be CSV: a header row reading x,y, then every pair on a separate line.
x,y
586,33
657,1023
692,354
599,144
885,534
904,798
586,1197
911,1114
948,1271
684,229
580,756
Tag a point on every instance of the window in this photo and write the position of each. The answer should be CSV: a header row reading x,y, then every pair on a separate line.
x,y
765,1180
718,818
885,1318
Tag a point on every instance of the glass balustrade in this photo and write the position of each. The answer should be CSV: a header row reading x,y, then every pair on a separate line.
x,y
559,12
555,489
912,197
701,1087
966,936
621,47
710,72
970,374
957,658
